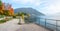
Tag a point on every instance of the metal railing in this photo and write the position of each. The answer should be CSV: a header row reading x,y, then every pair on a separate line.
x,y
49,23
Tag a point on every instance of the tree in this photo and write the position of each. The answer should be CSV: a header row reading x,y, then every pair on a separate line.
x,y
11,11
6,13
1,7
0,3
28,15
22,15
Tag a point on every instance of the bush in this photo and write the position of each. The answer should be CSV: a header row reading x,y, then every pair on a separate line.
x,y
1,16
14,16
2,21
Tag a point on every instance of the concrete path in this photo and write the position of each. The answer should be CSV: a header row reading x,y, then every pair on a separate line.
x,y
31,27
13,26
10,25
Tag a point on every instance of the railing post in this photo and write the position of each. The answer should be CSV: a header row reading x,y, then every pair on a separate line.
x,y
39,21
56,25
45,23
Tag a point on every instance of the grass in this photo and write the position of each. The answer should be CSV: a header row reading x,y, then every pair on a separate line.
x,y
1,16
3,21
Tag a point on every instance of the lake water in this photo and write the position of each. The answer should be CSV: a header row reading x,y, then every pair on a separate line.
x,y
51,24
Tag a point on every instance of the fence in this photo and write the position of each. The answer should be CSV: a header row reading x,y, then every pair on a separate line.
x,y
49,23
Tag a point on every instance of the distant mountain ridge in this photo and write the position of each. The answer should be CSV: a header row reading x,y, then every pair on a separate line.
x,y
28,10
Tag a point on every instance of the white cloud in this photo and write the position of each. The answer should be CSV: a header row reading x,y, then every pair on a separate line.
x,y
46,6
37,3
32,2
52,7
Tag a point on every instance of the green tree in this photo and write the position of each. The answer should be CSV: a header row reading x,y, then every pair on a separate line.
x,y
6,13
28,15
0,3
0,7
22,15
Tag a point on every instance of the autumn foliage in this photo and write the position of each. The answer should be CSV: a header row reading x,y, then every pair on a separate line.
x,y
3,8
11,11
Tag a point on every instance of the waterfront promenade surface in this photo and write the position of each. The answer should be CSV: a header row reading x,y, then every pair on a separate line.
x,y
13,26
31,27
10,25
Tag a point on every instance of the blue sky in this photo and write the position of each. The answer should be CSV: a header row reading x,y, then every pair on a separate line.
x,y
47,7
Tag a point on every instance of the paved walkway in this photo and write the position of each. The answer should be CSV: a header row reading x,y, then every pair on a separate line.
x,y
31,27
13,26
10,25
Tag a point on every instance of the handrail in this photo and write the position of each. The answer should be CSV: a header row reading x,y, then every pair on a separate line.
x,y
50,23
50,19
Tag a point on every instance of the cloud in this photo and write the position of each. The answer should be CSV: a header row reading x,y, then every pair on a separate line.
x,y
45,6
52,7
31,2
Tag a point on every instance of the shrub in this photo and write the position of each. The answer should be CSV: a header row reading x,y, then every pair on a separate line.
x,y
2,21
14,16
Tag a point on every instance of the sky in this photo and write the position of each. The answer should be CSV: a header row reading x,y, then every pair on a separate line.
x,y
47,7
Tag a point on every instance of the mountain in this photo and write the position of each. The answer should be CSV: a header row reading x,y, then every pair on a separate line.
x,y
31,11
